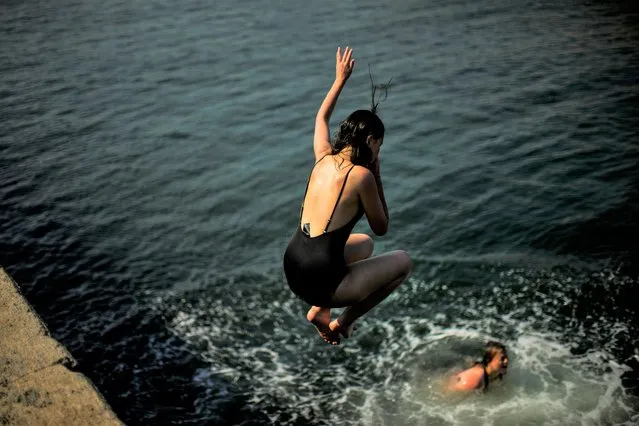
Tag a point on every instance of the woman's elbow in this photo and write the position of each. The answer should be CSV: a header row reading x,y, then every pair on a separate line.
x,y
381,229
321,118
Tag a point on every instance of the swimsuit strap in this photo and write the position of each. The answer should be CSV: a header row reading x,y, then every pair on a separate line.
x,y
338,198
307,183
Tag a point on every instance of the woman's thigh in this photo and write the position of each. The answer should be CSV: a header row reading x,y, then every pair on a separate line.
x,y
369,275
358,247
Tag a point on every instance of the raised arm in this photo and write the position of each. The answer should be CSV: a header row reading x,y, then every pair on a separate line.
x,y
343,68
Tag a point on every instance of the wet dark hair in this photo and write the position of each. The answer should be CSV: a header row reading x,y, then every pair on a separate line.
x,y
354,132
491,349
358,126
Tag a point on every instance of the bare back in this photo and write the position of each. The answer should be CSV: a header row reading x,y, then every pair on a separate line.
x,y
324,187
469,379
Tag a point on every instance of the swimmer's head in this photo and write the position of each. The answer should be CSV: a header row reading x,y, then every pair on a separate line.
x,y
363,132
495,356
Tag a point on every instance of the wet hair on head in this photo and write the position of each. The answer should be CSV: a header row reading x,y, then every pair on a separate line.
x,y
359,125
491,349
374,88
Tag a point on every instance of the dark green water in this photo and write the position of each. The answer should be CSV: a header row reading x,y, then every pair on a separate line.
x,y
153,156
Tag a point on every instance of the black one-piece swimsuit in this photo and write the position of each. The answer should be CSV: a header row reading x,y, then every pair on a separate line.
x,y
315,266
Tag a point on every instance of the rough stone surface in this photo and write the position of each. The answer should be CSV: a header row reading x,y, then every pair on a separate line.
x,y
36,386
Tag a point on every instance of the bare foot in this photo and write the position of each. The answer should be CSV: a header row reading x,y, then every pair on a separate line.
x,y
347,332
321,318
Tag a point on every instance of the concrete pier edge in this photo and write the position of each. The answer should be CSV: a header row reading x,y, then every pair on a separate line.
x,y
37,385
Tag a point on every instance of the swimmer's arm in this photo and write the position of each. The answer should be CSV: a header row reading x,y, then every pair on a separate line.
x,y
321,139
343,68
373,204
380,187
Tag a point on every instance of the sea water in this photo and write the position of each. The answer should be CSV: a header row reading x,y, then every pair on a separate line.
x,y
153,156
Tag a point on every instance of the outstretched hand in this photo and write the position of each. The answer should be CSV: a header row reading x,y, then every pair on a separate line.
x,y
344,64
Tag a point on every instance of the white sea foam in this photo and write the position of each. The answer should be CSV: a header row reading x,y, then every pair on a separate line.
x,y
545,385
391,372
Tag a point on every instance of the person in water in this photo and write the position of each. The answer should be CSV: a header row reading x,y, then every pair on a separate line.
x,y
492,366
325,265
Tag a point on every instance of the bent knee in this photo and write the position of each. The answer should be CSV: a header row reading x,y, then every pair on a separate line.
x,y
358,247
404,262
363,240
368,244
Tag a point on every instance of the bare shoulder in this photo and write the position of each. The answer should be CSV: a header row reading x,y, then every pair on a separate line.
x,y
362,175
467,380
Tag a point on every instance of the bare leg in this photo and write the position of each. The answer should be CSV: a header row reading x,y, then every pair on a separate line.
x,y
358,247
368,283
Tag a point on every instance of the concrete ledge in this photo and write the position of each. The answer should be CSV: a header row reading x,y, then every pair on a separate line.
x,y
36,385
